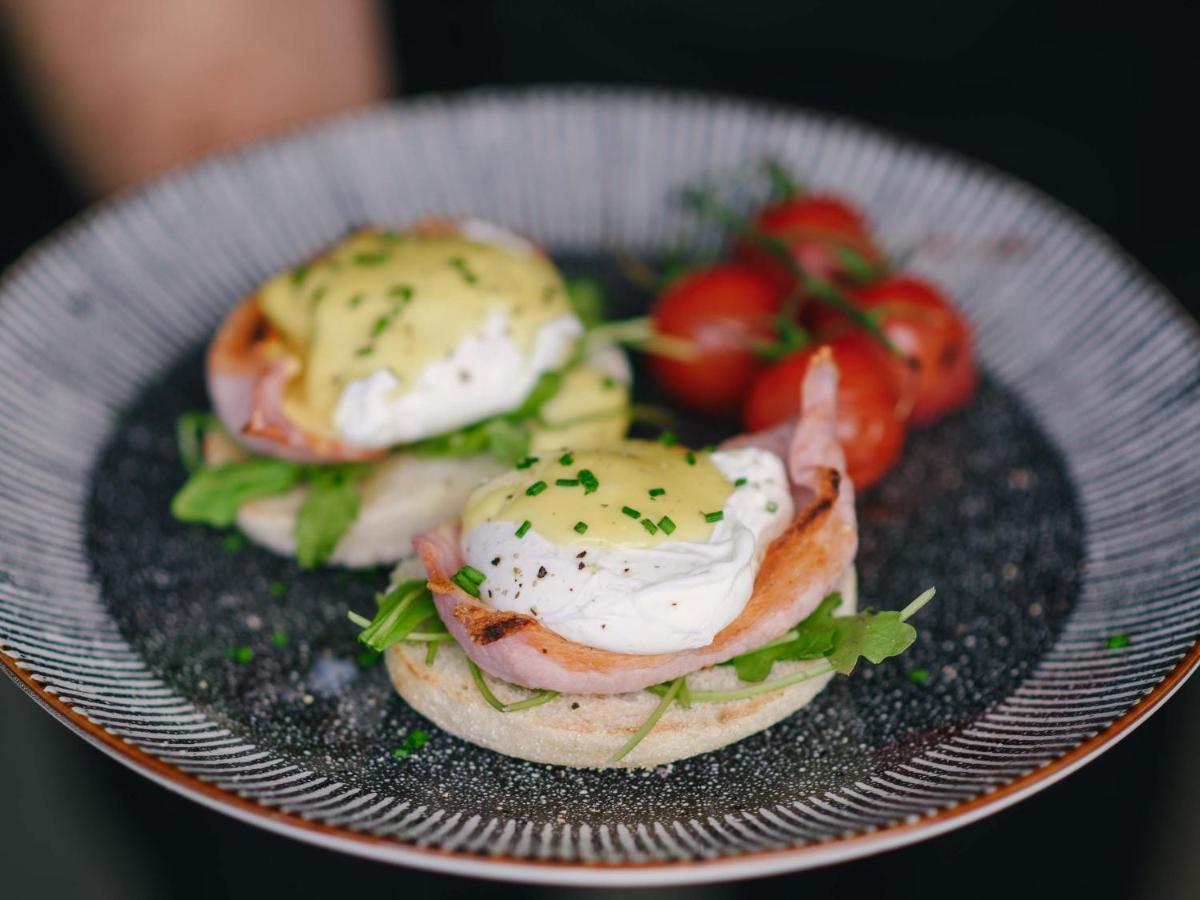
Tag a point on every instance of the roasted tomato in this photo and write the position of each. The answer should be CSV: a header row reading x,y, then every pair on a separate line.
x,y
935,336
723,310
870,410
826,236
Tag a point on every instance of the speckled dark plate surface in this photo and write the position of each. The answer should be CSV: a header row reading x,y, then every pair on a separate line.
x,y
1059,509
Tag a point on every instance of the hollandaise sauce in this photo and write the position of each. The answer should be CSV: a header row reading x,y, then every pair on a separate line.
x,y
632,494
400,304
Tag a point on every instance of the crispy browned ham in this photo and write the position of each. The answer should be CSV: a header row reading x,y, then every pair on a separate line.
x,y
248,369
800,568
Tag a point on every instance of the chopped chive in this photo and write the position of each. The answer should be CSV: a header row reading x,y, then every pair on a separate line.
x,y
772,506
567,458
298,275
666,524
739,482
355,301
668,439
414,742
242,654
277,588
527,462
534,489
370,259
668,698
714,516
657,492
368,658
690,457
536,699
580,527
609,382
588,480
364,351
279,639
465,583
401,291
317,296
918,676
567,482
461,265
649,526
233,542
472,573
631,512
525,526
1117,641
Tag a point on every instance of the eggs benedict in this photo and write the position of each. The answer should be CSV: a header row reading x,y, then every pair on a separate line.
x,y
642,602
361,396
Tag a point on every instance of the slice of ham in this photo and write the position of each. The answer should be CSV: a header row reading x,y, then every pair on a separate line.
x,y
800,568
248,369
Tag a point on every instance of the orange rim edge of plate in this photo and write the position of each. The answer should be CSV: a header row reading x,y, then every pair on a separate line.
x,y
912,829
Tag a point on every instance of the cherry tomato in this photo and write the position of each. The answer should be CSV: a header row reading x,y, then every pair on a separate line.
x,y
925,327
870,423
722,309
827,237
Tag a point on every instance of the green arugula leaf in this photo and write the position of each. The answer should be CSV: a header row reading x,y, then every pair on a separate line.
x,y
190,429
327,512
587,299
507,441
401,611
811,643
840,639
468,441
213,494
874,636
547,385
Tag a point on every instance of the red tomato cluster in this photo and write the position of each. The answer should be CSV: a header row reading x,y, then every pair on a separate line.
x,y
740,315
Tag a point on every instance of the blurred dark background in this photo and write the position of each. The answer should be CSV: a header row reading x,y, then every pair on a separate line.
x,y
1094,107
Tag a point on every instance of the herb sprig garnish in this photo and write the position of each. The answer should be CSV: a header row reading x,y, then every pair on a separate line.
x,y
791,336
537,698
401,611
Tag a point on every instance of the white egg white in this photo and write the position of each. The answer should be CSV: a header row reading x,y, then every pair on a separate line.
x,y
485,375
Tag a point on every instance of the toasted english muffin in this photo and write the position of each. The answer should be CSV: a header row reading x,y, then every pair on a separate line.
x,y
402,496
586,730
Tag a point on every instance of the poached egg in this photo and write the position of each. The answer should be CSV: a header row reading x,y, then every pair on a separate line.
x,y
635,548
402,336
